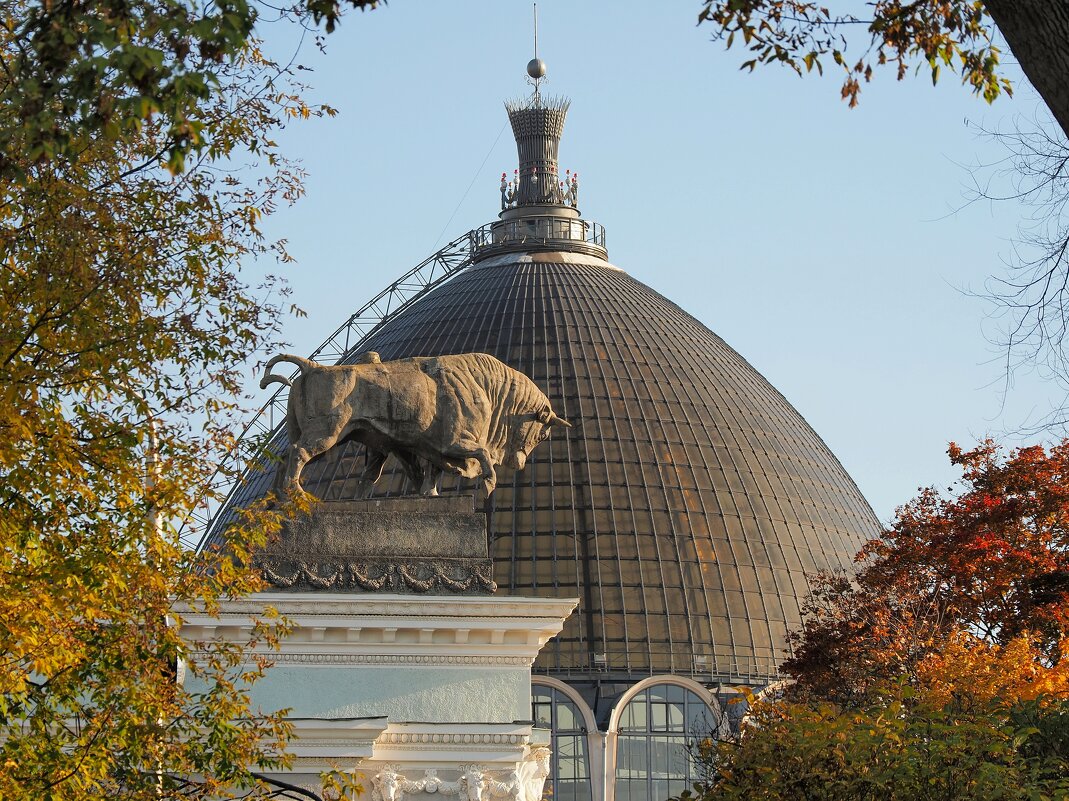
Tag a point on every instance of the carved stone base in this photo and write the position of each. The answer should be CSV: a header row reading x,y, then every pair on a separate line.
x,y
473,782
399,575
412,544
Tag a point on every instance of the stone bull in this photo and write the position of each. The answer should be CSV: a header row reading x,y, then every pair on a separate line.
x,y
464,414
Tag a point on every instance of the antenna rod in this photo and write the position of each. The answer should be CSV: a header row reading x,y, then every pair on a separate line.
x,y
535,7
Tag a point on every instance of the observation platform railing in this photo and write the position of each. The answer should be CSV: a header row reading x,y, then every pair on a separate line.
x,y
538,234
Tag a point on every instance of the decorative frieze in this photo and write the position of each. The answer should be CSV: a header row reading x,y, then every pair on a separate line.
x,y
408,575
450,738
474,782
398,659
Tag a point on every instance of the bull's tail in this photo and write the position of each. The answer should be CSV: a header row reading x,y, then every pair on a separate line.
x,y
269,378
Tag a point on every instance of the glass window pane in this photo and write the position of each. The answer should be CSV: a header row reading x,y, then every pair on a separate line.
x,y
700,719
569,791
543,715
634,717
658,717
659,692
566,746
569,775
678,757
566,769
632,757
567,717
674,717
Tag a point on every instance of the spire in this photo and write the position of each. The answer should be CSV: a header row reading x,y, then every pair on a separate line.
x,y
537,124
539,207
536,67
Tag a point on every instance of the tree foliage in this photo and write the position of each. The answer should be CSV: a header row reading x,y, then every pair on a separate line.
x,y
992,560
123,330
936,34
942,669
81,70
901,744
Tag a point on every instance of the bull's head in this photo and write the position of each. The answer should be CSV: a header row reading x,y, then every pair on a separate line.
x,y
527,431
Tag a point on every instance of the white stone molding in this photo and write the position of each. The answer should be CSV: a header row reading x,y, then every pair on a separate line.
x,y
319,745
450,738
392,659
379,629
424,745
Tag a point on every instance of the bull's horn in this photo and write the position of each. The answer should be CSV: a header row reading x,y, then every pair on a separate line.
x,y
557,421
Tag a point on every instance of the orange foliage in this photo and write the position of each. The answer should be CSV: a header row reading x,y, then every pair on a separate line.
x,y
991,560
974,673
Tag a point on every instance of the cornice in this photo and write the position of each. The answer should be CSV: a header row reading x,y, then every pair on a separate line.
x,y
390,605
389,629
390,660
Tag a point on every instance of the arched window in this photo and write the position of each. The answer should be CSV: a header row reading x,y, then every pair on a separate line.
x,y
569,773
655,728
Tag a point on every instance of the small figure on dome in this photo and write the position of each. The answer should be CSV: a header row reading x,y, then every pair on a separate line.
x,y
571,185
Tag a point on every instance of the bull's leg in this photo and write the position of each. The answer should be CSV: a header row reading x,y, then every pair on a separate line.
x,y
300,454
430,481
373,464
471,450
490,481
372,471
284,472
284,476
288,479
413,468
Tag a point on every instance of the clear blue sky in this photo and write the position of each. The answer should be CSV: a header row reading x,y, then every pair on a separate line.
x,y
820,242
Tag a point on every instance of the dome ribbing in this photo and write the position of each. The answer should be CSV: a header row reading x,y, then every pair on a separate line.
x,y
686,504
690,499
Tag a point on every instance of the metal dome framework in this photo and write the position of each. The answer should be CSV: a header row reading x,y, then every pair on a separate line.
x,y
690,500
685,508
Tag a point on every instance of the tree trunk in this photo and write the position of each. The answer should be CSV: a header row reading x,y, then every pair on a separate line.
x,y
1037,32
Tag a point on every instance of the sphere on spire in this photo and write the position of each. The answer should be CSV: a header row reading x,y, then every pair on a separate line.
x,y
536,68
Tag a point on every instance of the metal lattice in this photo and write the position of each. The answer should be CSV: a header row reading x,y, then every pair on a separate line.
x,y
265,426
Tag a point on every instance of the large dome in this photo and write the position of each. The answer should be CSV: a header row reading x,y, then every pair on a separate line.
x,y
684,507
688,502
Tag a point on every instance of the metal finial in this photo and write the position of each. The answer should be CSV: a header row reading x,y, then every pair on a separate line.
x,y
536,67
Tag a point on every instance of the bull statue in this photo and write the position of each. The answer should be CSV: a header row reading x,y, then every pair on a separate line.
x,y
465,414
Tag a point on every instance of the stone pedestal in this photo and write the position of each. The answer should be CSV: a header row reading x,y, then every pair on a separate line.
x,y
422,693
414,544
